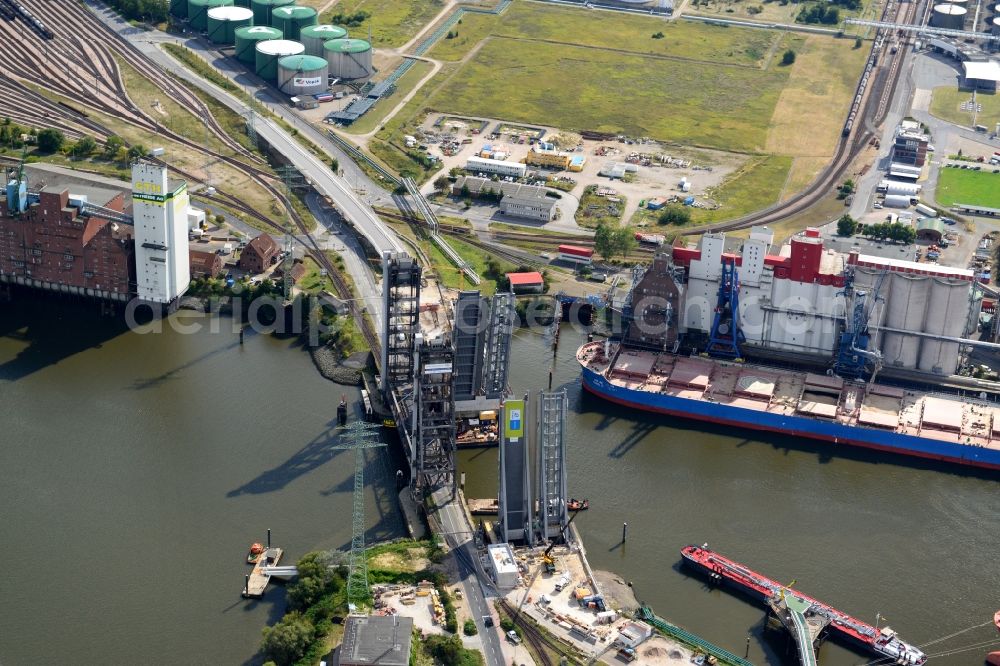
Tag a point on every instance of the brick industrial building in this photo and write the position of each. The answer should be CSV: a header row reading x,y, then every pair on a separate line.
x,y
84,240
259,254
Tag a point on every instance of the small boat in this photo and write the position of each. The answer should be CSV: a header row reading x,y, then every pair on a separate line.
x,y
993,659
578,505
254,554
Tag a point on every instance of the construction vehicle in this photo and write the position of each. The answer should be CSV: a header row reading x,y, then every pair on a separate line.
x,y
547,559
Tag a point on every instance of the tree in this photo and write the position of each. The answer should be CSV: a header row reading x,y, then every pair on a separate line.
x,y
84,147
675,215
50,140
441,184
135,152
847,187
624,241
287,641
846,226
604,241
788,58
469,627
315,579
335,164
112,147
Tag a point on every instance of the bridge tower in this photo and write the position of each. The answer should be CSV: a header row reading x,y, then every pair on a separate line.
x,y
551,446
401,318
434,416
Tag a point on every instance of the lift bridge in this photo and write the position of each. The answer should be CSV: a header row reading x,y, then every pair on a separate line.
x,y
429,380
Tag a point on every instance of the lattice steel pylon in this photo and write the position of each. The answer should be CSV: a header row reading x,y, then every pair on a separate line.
x,y
359,436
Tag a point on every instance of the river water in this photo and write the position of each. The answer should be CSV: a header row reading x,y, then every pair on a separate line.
x,y
866,533
136,469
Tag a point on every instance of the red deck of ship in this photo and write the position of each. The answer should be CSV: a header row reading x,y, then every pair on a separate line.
x,y
710,559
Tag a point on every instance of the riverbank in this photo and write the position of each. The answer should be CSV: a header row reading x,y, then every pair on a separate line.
x,y
341,371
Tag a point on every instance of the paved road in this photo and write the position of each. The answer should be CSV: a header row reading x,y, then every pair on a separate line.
x,y
475,583
319,173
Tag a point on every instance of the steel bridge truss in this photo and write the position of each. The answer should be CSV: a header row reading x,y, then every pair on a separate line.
x,y
496,364
401,321
434,410
552,516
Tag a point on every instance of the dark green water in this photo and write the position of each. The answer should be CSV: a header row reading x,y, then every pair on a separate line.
x,y
866,533
135,470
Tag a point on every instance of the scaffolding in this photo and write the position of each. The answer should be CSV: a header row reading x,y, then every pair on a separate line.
x,y
401,320
434,414
552,514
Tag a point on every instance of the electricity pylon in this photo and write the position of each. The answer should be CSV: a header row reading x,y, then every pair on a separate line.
x,y
358,436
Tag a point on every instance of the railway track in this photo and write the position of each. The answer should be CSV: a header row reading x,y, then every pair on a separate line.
x,y
83,66
870,105
531,634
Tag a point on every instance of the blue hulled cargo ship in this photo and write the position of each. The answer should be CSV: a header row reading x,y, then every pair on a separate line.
x,y
803,404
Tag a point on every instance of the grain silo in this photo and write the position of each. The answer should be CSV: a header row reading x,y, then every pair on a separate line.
x,y
223,22
262,9
198,12
946,316
314,36
302,75
905,311
179,8
290,20
349,58
948,16
270,52
247,39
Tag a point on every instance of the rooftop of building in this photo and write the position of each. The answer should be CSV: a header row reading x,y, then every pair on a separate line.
x,y
262,244
376,640
988,70
528,279
98,196
501,554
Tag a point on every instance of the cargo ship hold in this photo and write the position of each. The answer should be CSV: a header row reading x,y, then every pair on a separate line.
x,y
880,641
818,300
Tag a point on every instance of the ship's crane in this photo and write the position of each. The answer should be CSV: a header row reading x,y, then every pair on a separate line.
x,y
727,336
854,358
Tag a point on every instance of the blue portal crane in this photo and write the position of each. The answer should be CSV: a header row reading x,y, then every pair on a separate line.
x,y
726,336
854,358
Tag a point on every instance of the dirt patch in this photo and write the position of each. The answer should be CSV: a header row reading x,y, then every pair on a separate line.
x,y
616,591
415,559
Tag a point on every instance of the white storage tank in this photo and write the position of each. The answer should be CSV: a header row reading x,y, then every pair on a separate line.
x,y
268,54
949,16
995,25
946,316
314,36
349,58
302,75
907,305
223,22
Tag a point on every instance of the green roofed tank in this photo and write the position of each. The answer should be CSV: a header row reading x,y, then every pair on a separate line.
x,y
302,75
198,12
262,10
290,20
224,21
247,39
270,52
243,3
179,8
349,58
314,36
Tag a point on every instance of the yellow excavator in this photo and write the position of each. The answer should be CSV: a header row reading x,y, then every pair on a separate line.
x,y
547,559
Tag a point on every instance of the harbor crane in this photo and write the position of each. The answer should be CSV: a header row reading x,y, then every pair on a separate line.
x,y
854,358
726,337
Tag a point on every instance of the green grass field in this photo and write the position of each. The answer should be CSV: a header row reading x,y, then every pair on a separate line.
x,y
693,103
969,187
946,102
393,22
